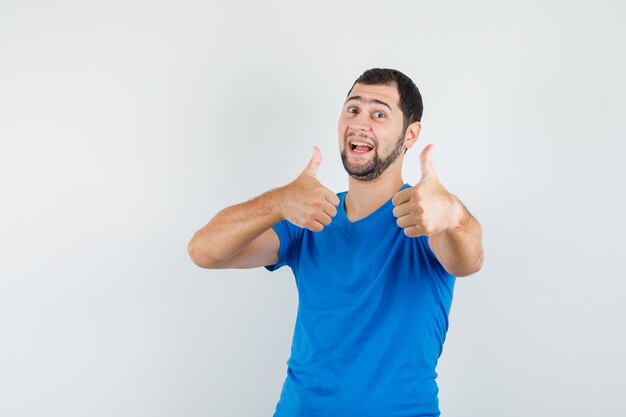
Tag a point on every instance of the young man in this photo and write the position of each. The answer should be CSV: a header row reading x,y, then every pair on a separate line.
x,y
375,266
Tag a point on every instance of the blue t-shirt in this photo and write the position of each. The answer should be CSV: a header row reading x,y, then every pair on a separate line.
x,y
372,319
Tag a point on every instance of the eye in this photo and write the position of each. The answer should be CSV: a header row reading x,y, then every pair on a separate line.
x,y
379,114
351,110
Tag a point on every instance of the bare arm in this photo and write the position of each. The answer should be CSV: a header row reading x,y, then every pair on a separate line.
x,y
241,236
459,249
428,209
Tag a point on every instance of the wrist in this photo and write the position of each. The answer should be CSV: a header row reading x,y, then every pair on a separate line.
x,y
460,215
276,202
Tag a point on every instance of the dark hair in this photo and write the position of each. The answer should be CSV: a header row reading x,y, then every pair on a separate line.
x,y
410,97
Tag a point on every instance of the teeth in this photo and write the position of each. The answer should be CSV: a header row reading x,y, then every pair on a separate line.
x,y
362,144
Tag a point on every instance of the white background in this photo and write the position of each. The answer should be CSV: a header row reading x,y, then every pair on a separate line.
x,y
126,125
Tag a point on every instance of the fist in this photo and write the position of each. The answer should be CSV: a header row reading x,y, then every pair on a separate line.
x,y
306,202
426,208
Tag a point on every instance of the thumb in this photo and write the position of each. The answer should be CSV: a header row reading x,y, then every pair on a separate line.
x,y
428,171
314,163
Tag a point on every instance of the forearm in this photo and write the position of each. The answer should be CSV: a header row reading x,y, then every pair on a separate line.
x,y
230,230
459,249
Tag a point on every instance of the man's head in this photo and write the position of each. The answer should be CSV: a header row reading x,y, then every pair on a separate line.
x,y
380,118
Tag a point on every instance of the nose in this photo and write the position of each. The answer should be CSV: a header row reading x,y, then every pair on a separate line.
x,y
360,122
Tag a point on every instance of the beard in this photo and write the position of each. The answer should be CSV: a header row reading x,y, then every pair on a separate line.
x,y
375,166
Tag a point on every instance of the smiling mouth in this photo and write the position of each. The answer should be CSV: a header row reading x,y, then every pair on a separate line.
x,y
360,147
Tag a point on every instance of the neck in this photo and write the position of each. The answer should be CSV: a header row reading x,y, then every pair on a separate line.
x,y
365,197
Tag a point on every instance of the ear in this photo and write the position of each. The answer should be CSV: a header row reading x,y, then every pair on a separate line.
x,y
412,132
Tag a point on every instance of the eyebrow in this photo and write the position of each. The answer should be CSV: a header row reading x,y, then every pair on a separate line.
x,y
359,98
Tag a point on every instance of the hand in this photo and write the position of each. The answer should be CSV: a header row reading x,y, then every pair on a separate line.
x,y
306,202
426,208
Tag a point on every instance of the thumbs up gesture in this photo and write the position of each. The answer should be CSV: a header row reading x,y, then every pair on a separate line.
x,y
306,202
426,208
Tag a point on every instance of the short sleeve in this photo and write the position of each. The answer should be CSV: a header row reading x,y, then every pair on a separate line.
x,y
287,234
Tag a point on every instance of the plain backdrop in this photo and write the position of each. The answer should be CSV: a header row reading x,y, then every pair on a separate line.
x,y
126,125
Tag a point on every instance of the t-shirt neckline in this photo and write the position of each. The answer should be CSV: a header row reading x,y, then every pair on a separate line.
x,y
370,217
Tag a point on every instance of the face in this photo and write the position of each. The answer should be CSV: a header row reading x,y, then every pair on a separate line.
x,y
370,130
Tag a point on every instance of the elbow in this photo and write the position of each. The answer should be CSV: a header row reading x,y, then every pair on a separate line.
x,y
198,254
192,251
